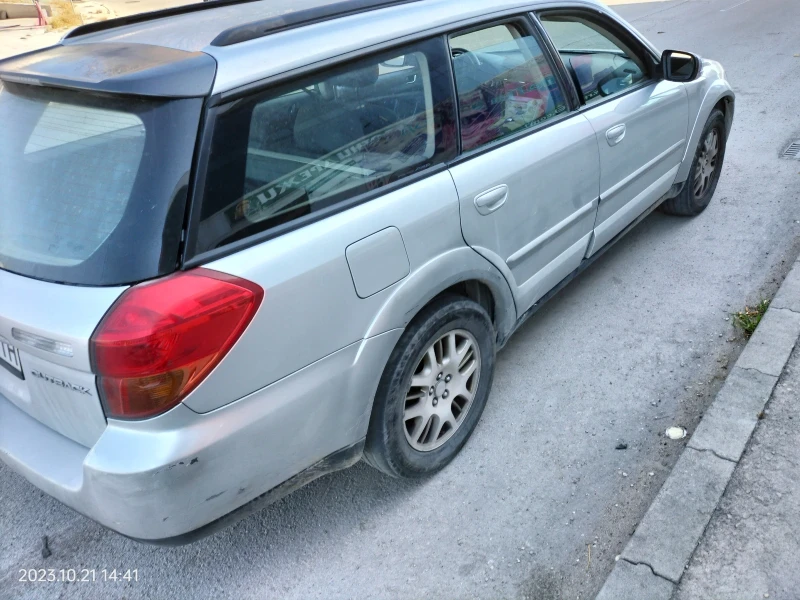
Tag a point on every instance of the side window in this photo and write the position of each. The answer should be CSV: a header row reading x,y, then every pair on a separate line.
x,y
601,62
504,83
291,152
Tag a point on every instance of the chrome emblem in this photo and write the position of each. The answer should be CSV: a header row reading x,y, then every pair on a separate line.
x,y
61,383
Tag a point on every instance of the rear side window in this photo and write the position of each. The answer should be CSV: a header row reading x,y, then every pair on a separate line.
x,y
305,149
92,189
504,82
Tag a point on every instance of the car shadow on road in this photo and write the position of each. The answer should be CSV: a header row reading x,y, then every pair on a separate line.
x,y
327,508
652,231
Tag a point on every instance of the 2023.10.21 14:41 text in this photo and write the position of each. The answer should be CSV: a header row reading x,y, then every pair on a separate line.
x,y
78,575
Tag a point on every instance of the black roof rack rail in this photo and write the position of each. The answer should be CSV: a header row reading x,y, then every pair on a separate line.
x,y
317,14
151,16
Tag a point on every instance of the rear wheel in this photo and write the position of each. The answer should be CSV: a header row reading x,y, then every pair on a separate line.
x,y
433,390
705,171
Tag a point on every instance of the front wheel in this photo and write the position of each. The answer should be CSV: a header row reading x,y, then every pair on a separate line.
x,y
433,390
705,171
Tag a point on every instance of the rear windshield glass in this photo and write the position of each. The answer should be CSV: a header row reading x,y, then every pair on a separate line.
x,y
92,189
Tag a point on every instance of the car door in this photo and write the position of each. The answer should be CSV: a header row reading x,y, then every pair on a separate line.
x,y
640,120
528,177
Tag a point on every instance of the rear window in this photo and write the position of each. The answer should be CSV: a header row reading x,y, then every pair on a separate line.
x,y
92,189
295,153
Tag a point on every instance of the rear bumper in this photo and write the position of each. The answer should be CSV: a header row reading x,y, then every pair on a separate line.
x,y
180,475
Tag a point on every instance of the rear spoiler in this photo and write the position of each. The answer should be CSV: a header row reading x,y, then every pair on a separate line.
x,y
133,69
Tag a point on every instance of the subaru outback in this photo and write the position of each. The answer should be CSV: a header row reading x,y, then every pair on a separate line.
x,y
246,243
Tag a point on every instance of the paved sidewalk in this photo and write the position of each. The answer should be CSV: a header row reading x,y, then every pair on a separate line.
x,y
725,524
751,548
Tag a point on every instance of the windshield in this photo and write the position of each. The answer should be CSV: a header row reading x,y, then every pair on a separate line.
x,y
92,189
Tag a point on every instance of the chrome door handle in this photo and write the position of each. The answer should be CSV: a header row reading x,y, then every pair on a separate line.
x,y
490,200
615,134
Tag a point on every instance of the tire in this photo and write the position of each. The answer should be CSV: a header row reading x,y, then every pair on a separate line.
x,y
397,441
692,201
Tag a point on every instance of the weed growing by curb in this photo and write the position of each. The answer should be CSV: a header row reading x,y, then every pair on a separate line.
x,y
748,319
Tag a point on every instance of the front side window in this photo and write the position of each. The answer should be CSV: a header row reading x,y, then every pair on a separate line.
x,y
602,63
504,83
300,150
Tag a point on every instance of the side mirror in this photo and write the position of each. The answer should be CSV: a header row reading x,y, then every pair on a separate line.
x,y
680,66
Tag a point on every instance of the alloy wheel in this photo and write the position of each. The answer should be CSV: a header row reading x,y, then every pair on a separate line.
x,y
706,164
442,390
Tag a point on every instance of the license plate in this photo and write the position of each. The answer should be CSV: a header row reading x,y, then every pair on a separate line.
x,y
9,358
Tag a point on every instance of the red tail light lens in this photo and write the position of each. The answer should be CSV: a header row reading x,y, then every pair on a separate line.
x,y
161,339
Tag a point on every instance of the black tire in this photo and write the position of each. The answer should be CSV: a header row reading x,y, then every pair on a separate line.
x,y
387,448
687,203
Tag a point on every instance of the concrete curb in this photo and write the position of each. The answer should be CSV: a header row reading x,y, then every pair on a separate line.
x,y
652,564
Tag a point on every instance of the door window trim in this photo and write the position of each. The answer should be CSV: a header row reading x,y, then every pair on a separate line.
x,y
558,66
528,26
650,60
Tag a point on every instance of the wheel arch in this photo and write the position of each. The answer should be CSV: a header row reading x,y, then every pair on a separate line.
x,y
726,106
460,271
719,95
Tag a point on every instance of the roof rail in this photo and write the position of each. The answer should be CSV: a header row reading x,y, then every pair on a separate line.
x,y
317,14
151,16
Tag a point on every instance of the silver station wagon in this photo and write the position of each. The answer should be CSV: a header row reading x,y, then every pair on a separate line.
x,y
244,244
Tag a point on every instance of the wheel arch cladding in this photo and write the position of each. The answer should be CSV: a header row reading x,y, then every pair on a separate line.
x,y
718,92
726,106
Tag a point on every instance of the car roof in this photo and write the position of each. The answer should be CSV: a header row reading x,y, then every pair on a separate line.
x,y
269,48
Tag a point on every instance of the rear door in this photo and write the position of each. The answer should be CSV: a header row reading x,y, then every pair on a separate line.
x,y
528,178
640,121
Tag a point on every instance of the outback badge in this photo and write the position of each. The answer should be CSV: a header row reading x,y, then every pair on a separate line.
x,y
61,383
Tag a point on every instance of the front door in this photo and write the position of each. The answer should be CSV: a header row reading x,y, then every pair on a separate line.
x,y
528,179
640,121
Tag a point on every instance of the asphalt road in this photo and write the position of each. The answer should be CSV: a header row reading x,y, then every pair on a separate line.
x,y
637,343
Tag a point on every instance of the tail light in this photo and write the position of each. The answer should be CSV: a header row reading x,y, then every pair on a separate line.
x,y
161,339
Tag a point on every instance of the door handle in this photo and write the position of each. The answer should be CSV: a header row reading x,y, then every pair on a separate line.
x,y
490,200
615,135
